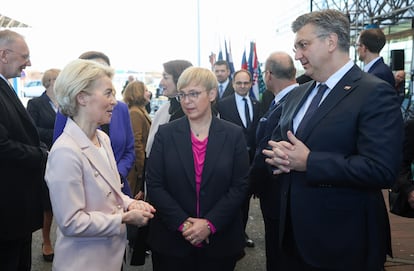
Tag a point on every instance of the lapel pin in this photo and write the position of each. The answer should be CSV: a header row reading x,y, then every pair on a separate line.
x,y
347,87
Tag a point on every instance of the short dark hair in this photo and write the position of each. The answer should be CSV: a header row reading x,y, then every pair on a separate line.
x,y
176,67
222,62
374,39
91,55
245,71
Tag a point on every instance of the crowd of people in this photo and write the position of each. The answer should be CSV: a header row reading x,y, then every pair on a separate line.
x,y
317,154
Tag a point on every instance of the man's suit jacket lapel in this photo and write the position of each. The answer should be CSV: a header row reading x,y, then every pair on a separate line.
x,y
377,63
93,155
9,92
297,98
234,112
345,86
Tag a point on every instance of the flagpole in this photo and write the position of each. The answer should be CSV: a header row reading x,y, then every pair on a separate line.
x,y
198,33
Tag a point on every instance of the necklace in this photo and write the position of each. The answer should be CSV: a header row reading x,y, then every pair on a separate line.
x,y
195,133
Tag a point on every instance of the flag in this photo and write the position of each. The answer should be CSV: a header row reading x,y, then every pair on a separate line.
x,y
258,85
252,67
220,56
244,64
229,58
262,85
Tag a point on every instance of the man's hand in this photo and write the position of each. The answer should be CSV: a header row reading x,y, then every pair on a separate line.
x,y
286,156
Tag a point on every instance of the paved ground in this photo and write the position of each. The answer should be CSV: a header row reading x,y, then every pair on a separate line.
x,y
253,261
402,241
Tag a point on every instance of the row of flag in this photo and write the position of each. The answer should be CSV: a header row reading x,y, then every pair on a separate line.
x,y
252,65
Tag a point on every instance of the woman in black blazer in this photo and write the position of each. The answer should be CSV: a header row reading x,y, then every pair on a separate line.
x,y
197,180
43,112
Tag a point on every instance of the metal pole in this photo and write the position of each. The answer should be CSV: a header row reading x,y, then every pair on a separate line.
x,y
198,34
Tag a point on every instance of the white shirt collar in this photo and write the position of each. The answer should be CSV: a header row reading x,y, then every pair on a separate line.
x,y
284,91
334,78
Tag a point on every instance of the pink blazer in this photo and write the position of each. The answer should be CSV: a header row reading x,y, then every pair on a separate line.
x,y
87,203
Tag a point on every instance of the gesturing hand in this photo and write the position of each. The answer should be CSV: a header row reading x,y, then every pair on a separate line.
x,y
286,156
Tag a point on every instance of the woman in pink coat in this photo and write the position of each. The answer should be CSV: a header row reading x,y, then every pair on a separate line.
x,y
82,176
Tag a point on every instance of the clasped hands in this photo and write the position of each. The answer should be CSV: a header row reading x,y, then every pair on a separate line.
x,y
138,214
196,230
286,156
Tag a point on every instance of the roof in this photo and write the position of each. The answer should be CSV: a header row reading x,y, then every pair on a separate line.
x,y
7,22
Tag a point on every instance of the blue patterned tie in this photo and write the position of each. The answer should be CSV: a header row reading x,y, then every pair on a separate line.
x,y
220,90
312,108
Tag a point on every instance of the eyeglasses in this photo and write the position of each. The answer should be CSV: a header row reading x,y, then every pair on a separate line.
x,y
192,96
25,57
304,44
239,84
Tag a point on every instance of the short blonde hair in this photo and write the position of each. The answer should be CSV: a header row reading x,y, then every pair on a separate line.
x,y
79,75
198,76
48,76
134,94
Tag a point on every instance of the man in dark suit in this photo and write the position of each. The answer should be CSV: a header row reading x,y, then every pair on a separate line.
x,y
369,45
233,108
279,76
222,72
334,163
22,160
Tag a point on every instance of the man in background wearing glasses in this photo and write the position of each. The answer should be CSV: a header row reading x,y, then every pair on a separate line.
x,y
244,111
369,45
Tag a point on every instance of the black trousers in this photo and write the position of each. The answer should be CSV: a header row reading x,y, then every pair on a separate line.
x,y
273,252
196,261
245,208
16,255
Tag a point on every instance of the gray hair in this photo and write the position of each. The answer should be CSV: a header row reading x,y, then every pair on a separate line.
x,y
79,75
8,37
327,21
